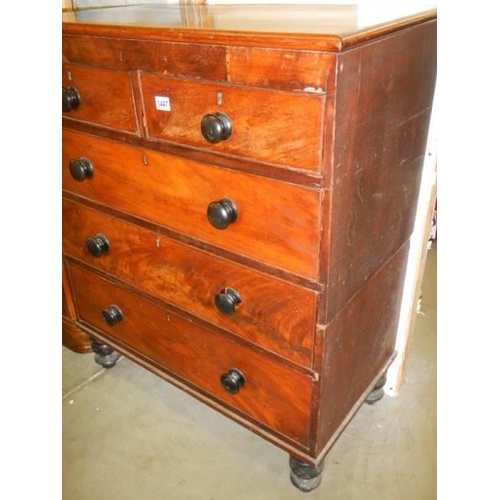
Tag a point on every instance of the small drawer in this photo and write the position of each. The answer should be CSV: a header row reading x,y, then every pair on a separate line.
x,y
273,221
271,393
99,96
272,313
282,128
297,70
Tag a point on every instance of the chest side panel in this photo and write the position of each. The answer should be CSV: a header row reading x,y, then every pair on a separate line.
x,y
383,104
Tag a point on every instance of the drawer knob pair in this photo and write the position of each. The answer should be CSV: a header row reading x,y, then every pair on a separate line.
x,y
216,127
70,99
232,381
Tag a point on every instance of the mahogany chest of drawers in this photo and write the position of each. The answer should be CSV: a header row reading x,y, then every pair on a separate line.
x,y
238,200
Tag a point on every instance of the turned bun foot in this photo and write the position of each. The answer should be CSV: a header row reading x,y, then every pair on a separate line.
x,y
377,392
104,355
305,477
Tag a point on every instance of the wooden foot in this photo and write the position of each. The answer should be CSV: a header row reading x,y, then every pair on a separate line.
x,y
104,355
303,476
377,392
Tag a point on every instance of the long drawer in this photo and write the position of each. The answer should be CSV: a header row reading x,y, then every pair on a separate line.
x,y
262,388
273,313
275,222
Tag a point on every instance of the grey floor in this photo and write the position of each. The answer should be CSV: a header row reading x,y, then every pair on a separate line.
x,y
128,435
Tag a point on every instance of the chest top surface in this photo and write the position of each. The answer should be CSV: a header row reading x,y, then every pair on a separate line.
x,y
319,27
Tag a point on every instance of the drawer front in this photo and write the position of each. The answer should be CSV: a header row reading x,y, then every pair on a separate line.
x,y
282,128
277,223
105,95
275,314
180,59
272,394
283,69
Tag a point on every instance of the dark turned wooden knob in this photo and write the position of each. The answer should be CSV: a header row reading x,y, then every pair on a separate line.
x,y
222,213
81,169
70,99
227,300
232,381
112,315
216,127
97,245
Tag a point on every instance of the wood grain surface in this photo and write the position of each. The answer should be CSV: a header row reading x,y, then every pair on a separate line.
x,y
274,314
106,97
175,193
282,128
276,396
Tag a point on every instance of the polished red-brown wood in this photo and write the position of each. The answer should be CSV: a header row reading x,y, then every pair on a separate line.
x,y
73,336
275,127
358,343
175,59
328,28
376,168
378,155
330,118
273,314
199,356
106,97
287,70
175,193
281,69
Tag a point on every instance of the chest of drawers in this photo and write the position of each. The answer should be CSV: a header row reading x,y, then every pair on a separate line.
x,y
238,200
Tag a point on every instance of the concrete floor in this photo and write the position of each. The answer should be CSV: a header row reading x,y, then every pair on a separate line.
x,y
128,435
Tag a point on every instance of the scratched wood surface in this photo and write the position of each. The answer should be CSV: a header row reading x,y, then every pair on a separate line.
x,y
323,165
